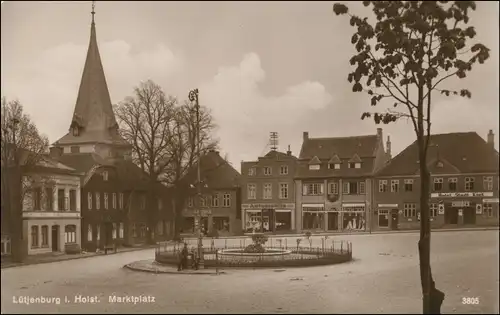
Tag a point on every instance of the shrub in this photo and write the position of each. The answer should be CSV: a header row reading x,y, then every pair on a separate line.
x,y
259,239
254,248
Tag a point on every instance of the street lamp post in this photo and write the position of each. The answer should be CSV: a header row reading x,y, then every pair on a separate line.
x,y
193,97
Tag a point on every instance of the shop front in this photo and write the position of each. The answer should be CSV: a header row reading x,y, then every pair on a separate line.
x,y
353,217
464,208
268,217
387,216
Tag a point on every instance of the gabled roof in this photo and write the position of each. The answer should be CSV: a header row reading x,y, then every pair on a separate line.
x,y
344,147
130,175
466,152
279,155
315,160
335,160
355,159
215,172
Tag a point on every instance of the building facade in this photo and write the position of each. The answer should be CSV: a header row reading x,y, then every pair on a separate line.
x,y
216,210
333,182
51,208
463,184
268,193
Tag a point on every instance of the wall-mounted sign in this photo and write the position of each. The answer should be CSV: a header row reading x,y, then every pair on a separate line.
x,y
490,200
441,211
479,209
462,194
460,204
460,212
353,205
247,206
418,216
387,205
400,211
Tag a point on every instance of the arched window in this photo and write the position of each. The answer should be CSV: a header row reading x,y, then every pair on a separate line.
x,y
89,233
89,200
70,234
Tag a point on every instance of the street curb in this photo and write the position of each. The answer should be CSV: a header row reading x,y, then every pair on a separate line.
x,y
72,258
355,233
127,266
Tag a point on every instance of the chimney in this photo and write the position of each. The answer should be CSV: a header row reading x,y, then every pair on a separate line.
x,y
379,133
56,152
491,138
288,152
305,136
389,154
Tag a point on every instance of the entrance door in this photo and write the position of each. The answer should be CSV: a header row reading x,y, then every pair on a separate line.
x,y
108,233
469,214
451,216
394,219
55,238
333,221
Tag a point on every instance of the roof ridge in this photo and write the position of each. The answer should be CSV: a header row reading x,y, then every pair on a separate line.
x,y
347,137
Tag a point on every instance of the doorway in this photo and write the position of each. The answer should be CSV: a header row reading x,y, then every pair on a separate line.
x,y
469,214
394,219
55,238
451,216
333,221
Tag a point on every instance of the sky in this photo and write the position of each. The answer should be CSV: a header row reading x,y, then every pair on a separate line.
x,y
260,67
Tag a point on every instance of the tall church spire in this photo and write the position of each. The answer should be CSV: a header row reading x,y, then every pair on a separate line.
x,y
93,118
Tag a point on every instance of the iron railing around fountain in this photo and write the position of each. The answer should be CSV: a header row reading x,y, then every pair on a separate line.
x,y
224,255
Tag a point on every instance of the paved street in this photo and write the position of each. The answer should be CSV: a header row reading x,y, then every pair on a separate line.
x,y
384,278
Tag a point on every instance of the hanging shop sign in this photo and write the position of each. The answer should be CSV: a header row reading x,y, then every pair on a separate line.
x,y
460,212
462,194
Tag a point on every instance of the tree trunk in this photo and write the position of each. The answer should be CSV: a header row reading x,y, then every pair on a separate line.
x,y
18,242
432,297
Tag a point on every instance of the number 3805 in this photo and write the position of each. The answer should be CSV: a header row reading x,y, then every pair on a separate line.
x,y
470,300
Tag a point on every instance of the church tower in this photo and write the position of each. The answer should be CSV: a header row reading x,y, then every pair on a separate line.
x,y
93,128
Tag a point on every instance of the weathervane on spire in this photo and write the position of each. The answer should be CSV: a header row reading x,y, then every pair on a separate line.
x,y
93,11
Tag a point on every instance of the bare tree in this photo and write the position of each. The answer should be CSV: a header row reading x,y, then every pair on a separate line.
x,y
411,49
163,136
22,148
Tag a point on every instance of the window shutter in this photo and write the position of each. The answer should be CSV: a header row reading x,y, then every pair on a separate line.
x,y
321,188
304,189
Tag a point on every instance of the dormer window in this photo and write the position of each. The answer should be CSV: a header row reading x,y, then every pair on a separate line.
x,y
76,131
334,163
267,171
354,162
314,164
251,171
105,176
314,167
439,164
334,166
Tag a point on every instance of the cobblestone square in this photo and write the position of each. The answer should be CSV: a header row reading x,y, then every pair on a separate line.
x,y
383,278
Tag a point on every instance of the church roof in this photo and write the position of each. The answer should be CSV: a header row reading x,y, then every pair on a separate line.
x,y
93,113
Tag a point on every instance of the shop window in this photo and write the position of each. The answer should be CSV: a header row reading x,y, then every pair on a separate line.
x,y
410,210
433,209
488,209
383,218
313,220
221,224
